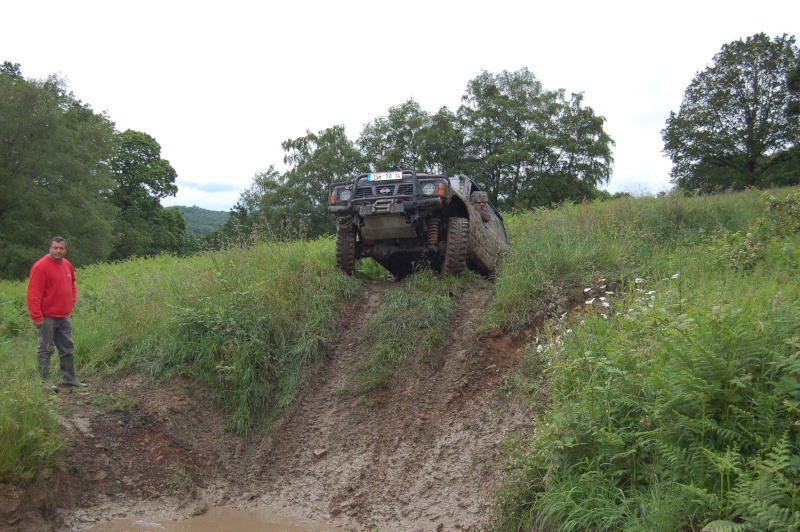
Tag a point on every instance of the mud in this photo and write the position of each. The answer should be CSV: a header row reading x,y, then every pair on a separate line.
x,y
422,455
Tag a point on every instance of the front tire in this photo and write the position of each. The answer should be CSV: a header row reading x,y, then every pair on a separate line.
x,y
346,248
455,255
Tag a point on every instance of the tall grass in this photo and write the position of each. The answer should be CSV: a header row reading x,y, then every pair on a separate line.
x,y
675,402
554,249
29,439
248,322
414,319
673,391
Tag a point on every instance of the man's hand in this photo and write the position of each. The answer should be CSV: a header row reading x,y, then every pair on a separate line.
x,y
39,323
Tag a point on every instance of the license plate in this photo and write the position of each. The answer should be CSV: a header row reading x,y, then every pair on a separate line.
x,y
385,176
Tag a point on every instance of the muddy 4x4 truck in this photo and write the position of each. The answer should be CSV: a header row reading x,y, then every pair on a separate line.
x,y
406,221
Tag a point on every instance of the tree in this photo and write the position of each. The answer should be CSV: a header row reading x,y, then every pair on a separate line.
x,y
574,155
531,147
248,221
441,144
793,86
733,129
54,177
315,161
528,147
143,178
394,141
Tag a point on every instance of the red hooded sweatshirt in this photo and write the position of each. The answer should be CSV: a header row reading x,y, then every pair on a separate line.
x,y
51,289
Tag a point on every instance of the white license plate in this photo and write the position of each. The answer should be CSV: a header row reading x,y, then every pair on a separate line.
x,y
385,176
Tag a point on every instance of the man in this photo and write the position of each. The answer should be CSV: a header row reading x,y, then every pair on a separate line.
x,y
52,293
479,199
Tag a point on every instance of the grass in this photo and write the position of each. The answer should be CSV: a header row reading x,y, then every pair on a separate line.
x,y
247,322
113,403
672,390
413,320
675,404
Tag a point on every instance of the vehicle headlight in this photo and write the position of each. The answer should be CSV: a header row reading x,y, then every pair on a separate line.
x,y
344,195
429,189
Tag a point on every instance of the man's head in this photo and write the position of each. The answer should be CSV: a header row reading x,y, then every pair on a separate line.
x,y
58,248
479,196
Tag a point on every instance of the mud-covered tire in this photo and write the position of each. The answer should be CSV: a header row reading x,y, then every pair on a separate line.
x,y
455,256
346,248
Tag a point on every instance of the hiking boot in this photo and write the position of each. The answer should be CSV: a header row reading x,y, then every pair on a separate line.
x,y
75,383
49,387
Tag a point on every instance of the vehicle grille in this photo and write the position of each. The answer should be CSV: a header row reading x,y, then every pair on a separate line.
x,y
396,189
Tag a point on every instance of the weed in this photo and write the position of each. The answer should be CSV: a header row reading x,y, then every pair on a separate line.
x,y
113,403
181,480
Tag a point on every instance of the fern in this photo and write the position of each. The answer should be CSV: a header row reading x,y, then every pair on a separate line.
x,y
766,491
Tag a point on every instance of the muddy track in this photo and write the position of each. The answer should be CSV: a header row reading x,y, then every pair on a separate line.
x,y
422,455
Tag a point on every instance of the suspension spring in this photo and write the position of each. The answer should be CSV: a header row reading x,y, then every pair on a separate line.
x,y
433,231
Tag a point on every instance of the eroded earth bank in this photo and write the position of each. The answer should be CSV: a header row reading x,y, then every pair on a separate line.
x,y
425,454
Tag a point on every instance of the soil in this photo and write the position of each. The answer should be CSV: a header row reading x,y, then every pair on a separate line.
x,y
424,454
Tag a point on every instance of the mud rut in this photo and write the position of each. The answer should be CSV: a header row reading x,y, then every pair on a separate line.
x,y
423,455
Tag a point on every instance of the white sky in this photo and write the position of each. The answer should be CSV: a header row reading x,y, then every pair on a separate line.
x,y
221,84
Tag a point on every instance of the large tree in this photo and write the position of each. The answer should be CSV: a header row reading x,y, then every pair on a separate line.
x,y
528,147
733,129
394,141
531,147
441,144
409,137
315,161
143,226
294,203
54,177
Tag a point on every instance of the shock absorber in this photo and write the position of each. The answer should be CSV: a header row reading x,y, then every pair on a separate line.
x,y
433,230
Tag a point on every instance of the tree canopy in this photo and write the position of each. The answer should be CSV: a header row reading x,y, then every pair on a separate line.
x,y
65,170
527,146
735,127
531,147
53,176
143,227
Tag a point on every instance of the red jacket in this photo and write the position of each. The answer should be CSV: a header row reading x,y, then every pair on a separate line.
x,y
52,291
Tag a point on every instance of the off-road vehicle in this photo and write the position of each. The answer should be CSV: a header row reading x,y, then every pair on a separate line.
x,y
405,221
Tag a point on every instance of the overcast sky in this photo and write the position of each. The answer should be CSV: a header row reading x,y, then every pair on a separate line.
x,y
221,84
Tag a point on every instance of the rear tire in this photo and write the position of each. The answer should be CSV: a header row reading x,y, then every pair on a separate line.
x,y
455,255
346,248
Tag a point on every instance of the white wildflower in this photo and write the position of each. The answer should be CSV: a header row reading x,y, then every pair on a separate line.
x,y
589,301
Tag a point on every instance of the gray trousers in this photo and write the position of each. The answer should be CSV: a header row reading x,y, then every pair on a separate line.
x,y
56,333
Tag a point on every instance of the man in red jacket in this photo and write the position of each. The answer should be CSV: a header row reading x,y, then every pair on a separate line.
x,y
52,293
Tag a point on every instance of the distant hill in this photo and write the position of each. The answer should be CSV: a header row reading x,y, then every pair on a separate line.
x,y
201,221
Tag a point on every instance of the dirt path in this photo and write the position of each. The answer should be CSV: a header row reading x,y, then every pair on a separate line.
x,y
423,455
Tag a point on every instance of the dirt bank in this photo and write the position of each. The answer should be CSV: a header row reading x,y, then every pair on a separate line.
x,y
423,455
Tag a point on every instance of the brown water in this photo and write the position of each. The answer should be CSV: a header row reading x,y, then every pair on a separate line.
x,y
216,520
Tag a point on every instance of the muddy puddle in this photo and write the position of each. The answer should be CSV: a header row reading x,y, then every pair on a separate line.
x,y
216,520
